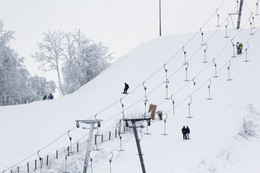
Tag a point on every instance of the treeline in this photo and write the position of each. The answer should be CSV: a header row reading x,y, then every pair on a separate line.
x,y
75,59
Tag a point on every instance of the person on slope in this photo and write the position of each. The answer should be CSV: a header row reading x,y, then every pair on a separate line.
x,y
126,88
183,130
237,46
45,97
240,48
50,96
187,133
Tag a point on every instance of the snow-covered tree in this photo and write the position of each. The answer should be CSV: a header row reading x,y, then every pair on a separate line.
x,y
16,85
84,60
13,75
50,54
41,87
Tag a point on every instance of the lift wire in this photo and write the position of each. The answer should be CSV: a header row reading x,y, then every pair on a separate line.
x,y
208,79
102,157
205,66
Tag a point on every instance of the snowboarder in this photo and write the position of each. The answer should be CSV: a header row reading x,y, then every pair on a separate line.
x,y
51,96
183,130
126,88
45,97
187,133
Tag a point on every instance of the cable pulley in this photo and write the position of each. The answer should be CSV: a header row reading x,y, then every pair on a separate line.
x,y
226,36
110,162
202,37
251,27
209,98
246,48
215,65
184,52
189,107
234,52
164,125
173,108
228,68
193,80
257,8
186,72
123,109
218,18
205,53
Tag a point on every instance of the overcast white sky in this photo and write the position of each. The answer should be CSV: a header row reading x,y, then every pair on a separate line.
x,y
119,24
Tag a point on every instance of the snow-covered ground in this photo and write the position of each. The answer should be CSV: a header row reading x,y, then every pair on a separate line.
x,y
224,130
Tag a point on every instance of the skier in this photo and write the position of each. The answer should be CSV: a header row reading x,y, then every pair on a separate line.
x,y
240,48
237,46
51,96
45,97
126,88
187,133
183,130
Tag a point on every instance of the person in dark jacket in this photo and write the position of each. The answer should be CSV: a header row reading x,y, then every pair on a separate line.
x,y
51,96
187,133
126,88
183,130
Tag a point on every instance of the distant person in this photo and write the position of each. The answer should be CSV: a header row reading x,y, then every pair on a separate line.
x,y
183,130
51,96
45,97
159,114
237,46
187,133
126,88
240,48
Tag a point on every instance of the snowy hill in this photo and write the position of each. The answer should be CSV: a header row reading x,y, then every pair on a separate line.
x,y
224,130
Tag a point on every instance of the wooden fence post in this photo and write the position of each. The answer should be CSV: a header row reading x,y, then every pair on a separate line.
x,y
28,168
47,160
57,154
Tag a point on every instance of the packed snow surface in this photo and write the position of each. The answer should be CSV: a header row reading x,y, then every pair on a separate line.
x,y
224,129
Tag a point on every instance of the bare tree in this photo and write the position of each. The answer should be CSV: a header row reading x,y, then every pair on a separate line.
x,y
51,54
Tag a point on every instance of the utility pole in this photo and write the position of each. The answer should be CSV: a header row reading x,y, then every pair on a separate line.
x,y
89,141
239,13
137,138
160,21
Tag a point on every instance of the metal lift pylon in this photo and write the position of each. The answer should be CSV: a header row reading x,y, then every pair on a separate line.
x,y
89,141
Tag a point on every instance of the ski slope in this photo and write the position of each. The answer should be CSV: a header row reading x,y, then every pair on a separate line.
x,y
224,130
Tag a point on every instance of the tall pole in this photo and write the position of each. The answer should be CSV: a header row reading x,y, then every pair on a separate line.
x,y
138,147
239,13
89,141
160,20
88,148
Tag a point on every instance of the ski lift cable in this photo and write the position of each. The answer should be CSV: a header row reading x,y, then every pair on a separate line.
x,y
103,156
196,51
220,69
206,68
251,11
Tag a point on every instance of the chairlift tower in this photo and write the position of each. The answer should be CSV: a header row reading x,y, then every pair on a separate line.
x,y
89,141
239,13
148,119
